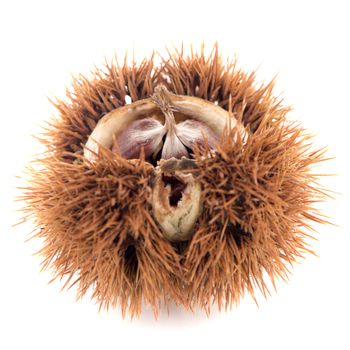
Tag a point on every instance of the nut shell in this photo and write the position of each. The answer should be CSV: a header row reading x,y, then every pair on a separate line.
x,y
176,221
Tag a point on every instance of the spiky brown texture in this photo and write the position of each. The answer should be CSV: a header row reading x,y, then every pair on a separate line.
x,y
97,230
258,198
95,218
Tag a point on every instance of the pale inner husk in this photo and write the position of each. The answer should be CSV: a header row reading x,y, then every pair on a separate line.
x,y
183,107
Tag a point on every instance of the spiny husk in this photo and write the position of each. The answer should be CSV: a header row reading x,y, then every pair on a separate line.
x,y
97,230
95,218
258,200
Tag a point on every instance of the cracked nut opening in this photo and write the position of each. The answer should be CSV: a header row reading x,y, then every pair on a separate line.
x,y
176,199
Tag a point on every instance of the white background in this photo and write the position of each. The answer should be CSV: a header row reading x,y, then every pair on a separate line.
x,y
306,43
